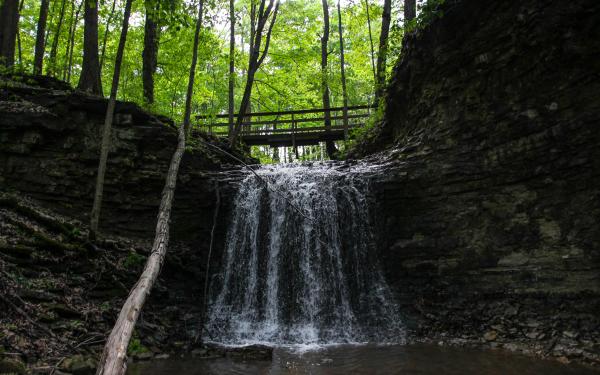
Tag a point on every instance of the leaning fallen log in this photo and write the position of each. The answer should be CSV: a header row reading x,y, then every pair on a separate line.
x,y
114,356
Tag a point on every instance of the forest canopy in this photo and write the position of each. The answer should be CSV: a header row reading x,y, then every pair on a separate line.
x,y
50,40
288,79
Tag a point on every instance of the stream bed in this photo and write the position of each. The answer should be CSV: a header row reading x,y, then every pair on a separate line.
x,y
367,359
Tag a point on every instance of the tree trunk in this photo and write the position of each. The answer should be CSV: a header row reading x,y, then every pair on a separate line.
x,y
72,41
190,88
54,48
252,26
110,110
371,43
68,51
253,22
330,145
208,258
231,63
19,47
9,22
90,80
256,59
244,107
383,46
410,10
50,22
19,50
114,356
150,52
343,71
106,30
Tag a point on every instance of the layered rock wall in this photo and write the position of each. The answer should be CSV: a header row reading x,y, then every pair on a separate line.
x,y
49,149
491,208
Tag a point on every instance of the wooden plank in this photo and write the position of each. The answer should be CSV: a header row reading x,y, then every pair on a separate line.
x,y
312,129
289,132
297,112
279,122
315,129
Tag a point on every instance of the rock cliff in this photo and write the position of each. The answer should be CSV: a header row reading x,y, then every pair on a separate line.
x,y
491,203
49,147
59,293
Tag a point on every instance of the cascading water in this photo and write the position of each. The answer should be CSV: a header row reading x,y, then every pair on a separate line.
x,y
300,263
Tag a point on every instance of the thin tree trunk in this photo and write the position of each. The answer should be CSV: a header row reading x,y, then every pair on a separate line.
x,y
343,70
114,356
54,48
19,47
252,26
19,50
242,31
410,10
110,110
106,30
50,22
208,257
90,80
371,42
68,51
383,46
330,145
72,41
150,52
9,22
253,22
256,59
190,88
231,63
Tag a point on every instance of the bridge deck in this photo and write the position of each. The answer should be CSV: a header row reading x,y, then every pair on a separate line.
x,y
291,128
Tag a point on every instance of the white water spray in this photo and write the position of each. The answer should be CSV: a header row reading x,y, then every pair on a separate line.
x,y
308,277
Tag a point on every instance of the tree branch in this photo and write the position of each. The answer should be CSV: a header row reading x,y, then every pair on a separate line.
x,y
268,40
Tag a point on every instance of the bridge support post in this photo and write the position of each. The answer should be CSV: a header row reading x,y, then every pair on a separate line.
x,y
294,137
345,119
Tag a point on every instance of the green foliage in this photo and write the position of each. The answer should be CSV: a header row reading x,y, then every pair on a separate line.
x,y
104,306
290,77
136,347
134,260
10,326
366,133
429,11
76,324
75,232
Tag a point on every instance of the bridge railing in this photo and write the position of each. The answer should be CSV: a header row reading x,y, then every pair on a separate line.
x,y
289,123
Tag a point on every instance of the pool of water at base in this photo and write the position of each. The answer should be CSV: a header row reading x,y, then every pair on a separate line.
x,y
368,359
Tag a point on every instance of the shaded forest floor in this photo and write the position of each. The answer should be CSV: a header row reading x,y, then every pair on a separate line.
x,y
60,293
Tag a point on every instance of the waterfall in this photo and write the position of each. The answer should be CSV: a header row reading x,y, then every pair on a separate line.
x,y
300,263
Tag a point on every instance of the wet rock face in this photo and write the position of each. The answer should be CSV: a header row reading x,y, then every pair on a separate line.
x,y
49,149
490,212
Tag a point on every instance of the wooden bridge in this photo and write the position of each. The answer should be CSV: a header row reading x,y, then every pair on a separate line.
x,y
291,128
